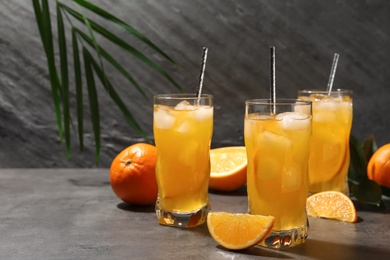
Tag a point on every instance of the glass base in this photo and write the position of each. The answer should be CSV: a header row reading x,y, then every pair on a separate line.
x,y
283,239
182,219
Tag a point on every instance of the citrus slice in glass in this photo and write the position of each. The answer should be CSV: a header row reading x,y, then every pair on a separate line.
x,y
332,205
328,157
228,168
238,231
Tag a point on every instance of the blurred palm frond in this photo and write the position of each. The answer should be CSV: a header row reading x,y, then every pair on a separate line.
x,y
82,45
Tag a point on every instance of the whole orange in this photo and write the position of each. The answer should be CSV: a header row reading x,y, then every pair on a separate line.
x,y
132,174
378,168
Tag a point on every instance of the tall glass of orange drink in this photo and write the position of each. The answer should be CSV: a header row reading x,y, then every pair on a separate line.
x,y
183,127
277,140
332,122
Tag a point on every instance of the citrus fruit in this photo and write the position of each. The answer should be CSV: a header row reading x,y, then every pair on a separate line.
x,y
332,205
378,168
132,174
238,231
329,156
228,168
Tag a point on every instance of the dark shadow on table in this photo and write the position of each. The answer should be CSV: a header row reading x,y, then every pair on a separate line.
x,y
264,252
359,219
88,182
322,250
201,229
239,192
136,208
383,208
316,249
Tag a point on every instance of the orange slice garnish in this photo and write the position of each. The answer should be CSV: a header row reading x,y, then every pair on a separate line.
x,y
238,231
332,205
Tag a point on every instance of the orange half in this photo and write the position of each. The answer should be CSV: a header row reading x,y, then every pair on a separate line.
x,y
228,168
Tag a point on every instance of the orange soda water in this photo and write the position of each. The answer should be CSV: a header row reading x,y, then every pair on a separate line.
x,y
277,140
183,137
332,121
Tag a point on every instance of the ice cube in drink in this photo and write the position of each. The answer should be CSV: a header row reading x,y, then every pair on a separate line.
x,y
162,117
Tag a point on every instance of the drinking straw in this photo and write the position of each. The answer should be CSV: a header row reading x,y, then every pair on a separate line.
x,y
272,78
332,73
201,76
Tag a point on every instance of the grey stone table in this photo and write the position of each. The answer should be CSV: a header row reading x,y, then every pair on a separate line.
x,y
73,214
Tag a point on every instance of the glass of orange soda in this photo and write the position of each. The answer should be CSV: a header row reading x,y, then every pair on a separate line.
x,y
277,140
183,127
329,157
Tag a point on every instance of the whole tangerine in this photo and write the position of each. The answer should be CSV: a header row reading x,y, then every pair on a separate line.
x,y
132,174
378,168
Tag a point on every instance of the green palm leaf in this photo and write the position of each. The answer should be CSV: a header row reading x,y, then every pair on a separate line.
x,y
116,98
60,85
64,78
121,43
79,89
42,15
111,60
124,25
93,101
95,44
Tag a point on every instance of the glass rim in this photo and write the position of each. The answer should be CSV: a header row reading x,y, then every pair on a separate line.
x,y
324,91
279,101
190,96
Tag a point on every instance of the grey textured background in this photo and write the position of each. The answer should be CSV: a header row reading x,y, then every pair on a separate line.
x,y
238,34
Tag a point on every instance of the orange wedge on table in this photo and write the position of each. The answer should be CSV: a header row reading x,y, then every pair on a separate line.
x,y
238,231
332,205
228,168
